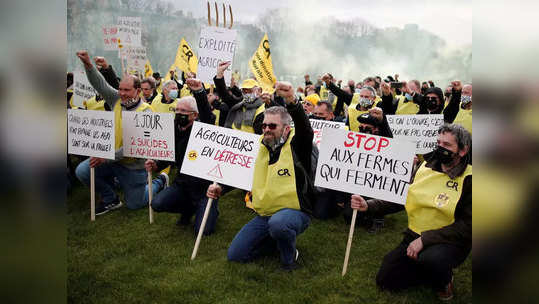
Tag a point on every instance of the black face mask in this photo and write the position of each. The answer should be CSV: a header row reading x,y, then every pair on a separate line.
x,y
444,155
181,120
366,130
432,104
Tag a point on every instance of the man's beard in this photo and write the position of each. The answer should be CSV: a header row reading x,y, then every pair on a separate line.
x,y
274,142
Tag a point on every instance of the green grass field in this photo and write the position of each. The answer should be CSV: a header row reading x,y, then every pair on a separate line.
x,y
121,258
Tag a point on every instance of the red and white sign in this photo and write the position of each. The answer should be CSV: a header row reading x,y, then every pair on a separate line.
x,y
148,135
110,37
318,125
370,165
221,155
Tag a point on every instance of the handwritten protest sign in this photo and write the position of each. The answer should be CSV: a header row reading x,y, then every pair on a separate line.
x,y
370,165
318,125
129,30
421,129
90,133
110,37
148,135
222,155
215,45
82,89
136,57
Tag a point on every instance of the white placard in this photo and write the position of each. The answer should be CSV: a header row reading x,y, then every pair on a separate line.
x,y
148,135
318,125
90,133
370,165
222,155
420,129
215,45
136,57
110,37
129,30
82,89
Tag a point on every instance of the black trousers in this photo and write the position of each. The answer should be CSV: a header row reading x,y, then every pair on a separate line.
x,y
325,205
433,267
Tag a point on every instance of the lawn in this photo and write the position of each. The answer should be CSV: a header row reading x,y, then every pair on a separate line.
x,y
121,258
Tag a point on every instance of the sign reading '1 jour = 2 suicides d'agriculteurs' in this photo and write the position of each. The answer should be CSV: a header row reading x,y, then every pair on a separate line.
x,y
215,45
420,129
148,135
370,165
90,133
221,155
318,125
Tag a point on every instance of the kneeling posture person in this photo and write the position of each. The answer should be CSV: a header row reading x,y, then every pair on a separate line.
x,y
282,188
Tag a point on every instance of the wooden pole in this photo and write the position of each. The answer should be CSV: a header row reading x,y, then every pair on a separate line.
x,y
92,194
150,195
202,226
350,236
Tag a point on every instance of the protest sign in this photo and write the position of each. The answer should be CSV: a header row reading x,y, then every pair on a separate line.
x,y
129,30
222,155
421,129
215,45
110,37
186,60
370,165
148,135
261,65
82,89
318,125
136,58
90,133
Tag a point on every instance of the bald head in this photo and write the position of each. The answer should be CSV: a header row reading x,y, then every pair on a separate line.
x,y
129,88
467,90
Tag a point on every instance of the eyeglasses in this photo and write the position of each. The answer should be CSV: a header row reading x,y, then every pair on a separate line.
x,y
271,126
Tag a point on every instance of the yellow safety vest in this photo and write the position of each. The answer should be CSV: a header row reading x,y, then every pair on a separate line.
x,y
185,91
353,114
159,88
118,120
324,93
159,106
404,108
274,186
464,118
432,199
93,104
250,129
217,114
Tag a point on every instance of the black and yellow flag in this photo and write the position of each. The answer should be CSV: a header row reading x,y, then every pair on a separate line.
x,y
186,60
262,67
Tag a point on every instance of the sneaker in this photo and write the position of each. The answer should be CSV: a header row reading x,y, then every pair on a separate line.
x,y
447,293
106,207
165,179
376,226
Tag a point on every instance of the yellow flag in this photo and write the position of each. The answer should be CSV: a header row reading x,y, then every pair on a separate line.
x,y
262,67
172,68
148,71
186,60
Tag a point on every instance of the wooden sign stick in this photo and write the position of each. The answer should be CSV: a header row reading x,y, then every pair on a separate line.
x,y
202,226
350,236
150,196
92,194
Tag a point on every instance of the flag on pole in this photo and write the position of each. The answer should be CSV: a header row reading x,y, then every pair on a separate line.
x,y
186,60
148,71
262,67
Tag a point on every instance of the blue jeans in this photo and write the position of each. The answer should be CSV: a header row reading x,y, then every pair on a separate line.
x,y
157,185
255,238
131,181
187,200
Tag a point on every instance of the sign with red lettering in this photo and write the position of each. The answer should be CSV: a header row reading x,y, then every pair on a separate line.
x,y
90,133
110,37
222,155
370,165
148,135
216,44
422,130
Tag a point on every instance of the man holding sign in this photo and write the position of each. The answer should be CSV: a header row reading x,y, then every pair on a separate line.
x,y
439,208
129,171
282,186
186,194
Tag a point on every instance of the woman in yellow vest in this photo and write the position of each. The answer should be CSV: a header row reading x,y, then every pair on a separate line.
x,y
439,209
130,172
459,109
282,188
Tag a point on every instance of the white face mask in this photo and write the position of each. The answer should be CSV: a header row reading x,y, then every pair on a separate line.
x,y
365,102
465,99
249,97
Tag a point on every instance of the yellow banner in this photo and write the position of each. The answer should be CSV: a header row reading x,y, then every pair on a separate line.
x,y
148,71
172,68
262,67
186,60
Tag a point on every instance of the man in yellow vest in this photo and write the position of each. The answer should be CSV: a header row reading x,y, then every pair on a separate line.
x,y
459,109
282,185
246,114
129,171
439,209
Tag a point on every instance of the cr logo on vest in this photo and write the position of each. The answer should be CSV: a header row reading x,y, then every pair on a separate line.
x,y
283,172
452,184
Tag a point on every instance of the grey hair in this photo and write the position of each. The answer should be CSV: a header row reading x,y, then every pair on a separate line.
x,y
191,101
463,137
326,102
371,89
167,83
286,119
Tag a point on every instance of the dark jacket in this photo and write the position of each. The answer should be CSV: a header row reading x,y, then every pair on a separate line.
x,y
223,109
390,103
459,233
181,138
453,107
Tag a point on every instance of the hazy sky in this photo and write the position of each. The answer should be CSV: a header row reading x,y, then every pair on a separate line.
x,y
451,20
